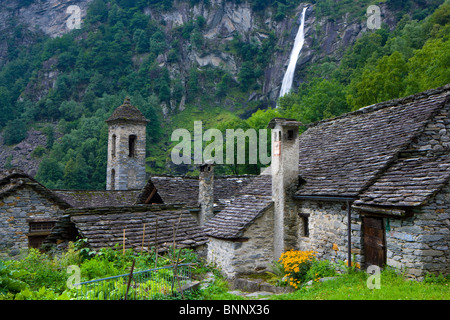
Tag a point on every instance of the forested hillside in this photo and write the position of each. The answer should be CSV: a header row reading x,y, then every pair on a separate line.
x,y
178,64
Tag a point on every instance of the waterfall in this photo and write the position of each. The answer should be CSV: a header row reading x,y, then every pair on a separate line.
x,y
298,44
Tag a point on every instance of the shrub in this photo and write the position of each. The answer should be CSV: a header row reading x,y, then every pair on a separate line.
x,y
320,269
14,132
9,279
296,265
39,270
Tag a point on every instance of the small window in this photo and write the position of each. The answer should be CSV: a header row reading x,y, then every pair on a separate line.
x,y
41,226
290,134
304,223
113,179
113,147
132,145
305,226
38,232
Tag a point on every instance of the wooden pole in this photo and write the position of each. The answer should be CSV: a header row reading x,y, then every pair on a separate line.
x,y
156,243
123,241
349,233
129,279
143,237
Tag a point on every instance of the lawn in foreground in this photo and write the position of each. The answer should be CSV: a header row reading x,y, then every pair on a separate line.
x,y
354,287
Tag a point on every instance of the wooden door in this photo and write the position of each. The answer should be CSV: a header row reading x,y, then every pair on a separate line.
x,y
374,241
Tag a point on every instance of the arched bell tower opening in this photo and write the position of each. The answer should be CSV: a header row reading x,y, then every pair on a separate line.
x,y
126,148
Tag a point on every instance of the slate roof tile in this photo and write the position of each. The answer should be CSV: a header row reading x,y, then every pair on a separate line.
x,y
344,155
103,227
248,205
350,154
98,198
408,182
182,189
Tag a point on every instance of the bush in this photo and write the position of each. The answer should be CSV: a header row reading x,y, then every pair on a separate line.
x,y
39,270
296,265
320,269
15,131
9,281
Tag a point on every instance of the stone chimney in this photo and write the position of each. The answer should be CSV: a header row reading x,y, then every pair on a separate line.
x,y
285,159
206,192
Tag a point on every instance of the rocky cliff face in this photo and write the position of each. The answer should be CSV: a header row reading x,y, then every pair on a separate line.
x,y
224,20
21,155
50,16
324,38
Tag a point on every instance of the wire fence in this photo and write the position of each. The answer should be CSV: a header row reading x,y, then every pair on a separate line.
x,y
152,284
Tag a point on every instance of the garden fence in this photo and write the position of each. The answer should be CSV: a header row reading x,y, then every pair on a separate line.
x,y
157,283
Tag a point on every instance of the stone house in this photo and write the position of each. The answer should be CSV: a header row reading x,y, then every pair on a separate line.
x,y
143,208
373,184
28,212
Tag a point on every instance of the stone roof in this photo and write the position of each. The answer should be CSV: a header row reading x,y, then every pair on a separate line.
x,y
408,182
98,198
12,180
103,227
356,154
248,204
127,112
345,155
182,189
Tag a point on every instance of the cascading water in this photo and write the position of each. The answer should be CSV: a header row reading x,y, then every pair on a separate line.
x,y
298,44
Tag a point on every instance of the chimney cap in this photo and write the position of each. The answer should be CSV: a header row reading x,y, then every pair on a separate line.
x,y
207,163
283,122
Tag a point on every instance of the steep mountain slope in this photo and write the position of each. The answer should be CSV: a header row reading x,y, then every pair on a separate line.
x,y
218,61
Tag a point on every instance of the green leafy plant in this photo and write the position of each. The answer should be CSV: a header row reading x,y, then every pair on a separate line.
x,y
343,266
9,279
321,269
276,273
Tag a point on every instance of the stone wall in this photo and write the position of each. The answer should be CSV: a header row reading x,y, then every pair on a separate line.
x,y
419,244
15,212
245,256
416,245
436,135
327,224
129,171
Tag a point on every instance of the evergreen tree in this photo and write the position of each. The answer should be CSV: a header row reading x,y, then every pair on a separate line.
x,y
14,132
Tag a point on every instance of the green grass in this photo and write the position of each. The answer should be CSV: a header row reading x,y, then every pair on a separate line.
x,y
354,287
350,287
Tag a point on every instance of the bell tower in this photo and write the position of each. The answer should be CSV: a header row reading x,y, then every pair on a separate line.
x,y
126,148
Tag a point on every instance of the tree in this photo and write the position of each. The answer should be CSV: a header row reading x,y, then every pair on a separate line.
x,y
141,40
97,11
315,101
429,67
192,84
71,110
386,81
246,75
224,85
76,173
5,106
49,172
14,132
